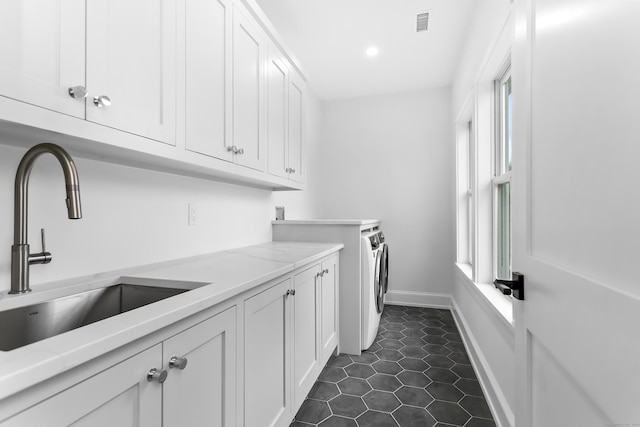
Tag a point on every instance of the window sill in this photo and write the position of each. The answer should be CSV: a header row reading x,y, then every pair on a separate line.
x,y
500,303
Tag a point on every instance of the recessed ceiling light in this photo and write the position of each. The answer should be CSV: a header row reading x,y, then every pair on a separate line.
x,y
372,51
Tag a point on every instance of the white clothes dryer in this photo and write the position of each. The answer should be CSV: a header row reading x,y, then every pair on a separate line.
x,y
374,282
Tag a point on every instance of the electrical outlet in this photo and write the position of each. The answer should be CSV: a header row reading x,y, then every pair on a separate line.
x,y
194,214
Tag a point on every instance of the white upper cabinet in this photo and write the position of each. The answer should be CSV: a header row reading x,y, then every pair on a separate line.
x,y
296,127
285,101
208,78
207,116
277,83
248,92
131,59
126,78
42,46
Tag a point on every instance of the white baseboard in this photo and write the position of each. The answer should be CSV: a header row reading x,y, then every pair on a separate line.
x,y
418,299
502,414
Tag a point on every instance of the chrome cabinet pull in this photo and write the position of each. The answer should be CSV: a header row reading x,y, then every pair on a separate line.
x,y
78,92
157,375
101,101
235,149
178,362
323,272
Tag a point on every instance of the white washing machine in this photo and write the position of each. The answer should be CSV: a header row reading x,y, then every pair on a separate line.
x,y
375,275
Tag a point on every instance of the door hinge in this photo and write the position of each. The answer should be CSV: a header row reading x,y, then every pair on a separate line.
x,y
514,286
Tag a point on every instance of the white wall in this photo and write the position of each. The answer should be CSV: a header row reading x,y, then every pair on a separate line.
x,y
130,217
134,216
485,27
490,337
390,157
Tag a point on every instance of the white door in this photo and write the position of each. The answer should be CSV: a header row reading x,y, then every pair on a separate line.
x,y
207,92
329,303
131,60
118,396
306,330
296,126
248,88
42,53
277,81
267,363
201,386
576,86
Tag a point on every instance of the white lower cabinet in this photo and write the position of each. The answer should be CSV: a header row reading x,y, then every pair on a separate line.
x,y
202,374
267,361
306,332
290,333
119,396
201,393
250,365
329,307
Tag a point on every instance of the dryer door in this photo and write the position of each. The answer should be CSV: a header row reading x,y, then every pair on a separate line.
x,y
378,291
384,268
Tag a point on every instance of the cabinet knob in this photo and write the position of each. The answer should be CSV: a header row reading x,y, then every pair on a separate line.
x,y
157,375
235,149
290,292
292,170
78,92
178,362
101,101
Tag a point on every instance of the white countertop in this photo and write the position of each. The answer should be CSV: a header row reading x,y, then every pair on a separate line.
x,y
221,275
326,222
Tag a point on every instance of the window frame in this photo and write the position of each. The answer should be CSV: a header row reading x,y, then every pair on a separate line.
x,y
502,173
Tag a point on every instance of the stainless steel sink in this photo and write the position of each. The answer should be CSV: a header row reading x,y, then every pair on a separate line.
x,y
25,325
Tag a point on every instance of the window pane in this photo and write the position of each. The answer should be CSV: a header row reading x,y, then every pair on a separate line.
x,y
503,235
507,129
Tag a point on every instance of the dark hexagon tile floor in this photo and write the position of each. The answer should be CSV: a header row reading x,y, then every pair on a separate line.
x,y
416,374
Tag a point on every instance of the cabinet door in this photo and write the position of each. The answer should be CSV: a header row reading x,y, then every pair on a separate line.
x,y
329,304
296,127
277,82
42,45
306,342
208,77
267,347
248,97
204,391
119,396
131,59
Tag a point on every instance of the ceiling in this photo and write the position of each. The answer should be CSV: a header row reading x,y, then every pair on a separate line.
x,y
330,37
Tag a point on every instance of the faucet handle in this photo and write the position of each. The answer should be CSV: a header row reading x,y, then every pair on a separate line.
x,y
42,237
43,257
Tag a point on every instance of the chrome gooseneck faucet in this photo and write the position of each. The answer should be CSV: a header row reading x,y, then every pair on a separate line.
x,y
20,256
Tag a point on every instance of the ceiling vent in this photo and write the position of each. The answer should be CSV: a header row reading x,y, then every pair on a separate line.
x,y
422,22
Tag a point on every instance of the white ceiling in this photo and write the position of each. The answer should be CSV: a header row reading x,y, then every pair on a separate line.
x,y
329,37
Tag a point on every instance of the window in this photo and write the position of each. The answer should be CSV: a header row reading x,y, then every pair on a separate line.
x,y
470,174
465,180
502,177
